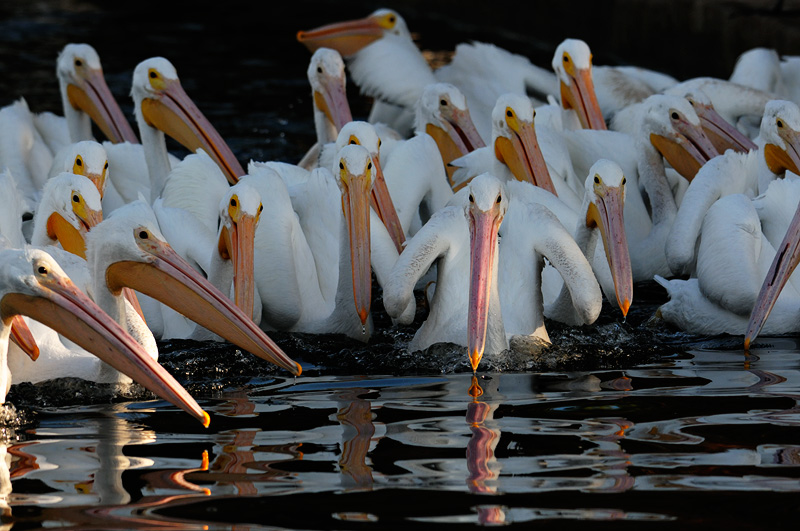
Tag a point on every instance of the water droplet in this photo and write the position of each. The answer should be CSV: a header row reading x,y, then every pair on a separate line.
x,y
363,330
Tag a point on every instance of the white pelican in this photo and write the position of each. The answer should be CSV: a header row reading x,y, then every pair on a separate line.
x,y
162,106
763,69
600,216
733,260
30,142
670,130
127,250
33,284
442,112
218,238
516,153
778,290
383,61
338,226
778,151
485,290
329,97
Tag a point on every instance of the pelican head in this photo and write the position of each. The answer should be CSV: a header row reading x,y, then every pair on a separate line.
x,y
239,212
675,131
351,36
442,112
128,250
84,89
780,130
87,158
34,285
354,173
605,188
364,134
69,207
572,63
515,143
721,134
487,202
161,103
328,86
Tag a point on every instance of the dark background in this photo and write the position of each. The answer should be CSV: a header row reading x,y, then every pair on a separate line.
x,y
240,62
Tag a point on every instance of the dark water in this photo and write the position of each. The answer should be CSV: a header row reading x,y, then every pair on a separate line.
x,y
621,423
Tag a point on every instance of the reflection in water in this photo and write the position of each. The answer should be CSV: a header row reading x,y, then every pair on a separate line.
x,y
701,423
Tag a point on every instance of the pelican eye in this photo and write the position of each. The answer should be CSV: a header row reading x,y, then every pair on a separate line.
x,y
379,143
674,115
509,113
443,102
153,74
391,19
596,179
76,198
78,63
143,234
78,161
353,141
106,166
499,198
623,181
233,201
471,199
566,58
369,166
42,270
260,208
780,122
319,69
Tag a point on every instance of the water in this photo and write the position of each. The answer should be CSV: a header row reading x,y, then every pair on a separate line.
x,y
620,422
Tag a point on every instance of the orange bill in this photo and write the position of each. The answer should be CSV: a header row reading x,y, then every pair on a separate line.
x,y
174,113
95,99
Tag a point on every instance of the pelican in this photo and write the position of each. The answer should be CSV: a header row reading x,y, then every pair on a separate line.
x,y
212,225
600,216
735,256
487,291
442,113
778,151
572,63
31,141
33,284
669,130
335,224
777,289
515,153
127,250
161,106
763,69
329,97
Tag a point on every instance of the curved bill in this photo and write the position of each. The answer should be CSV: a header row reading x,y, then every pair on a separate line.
x,y
67,310
607,215
784,263
237,243
347,37
382,202
95,99
172,281
483,227
720,133
580,96
522,155
22,336
174,113
687,151
332,101
780,160
355,205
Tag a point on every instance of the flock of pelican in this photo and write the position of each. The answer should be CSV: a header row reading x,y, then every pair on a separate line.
x,y
506,192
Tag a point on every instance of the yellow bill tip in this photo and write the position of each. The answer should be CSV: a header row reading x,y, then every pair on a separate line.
x,y
746,344
625,306
206,419
475,359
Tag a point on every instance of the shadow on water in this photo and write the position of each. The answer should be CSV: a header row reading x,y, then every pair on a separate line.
x,y
620,422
